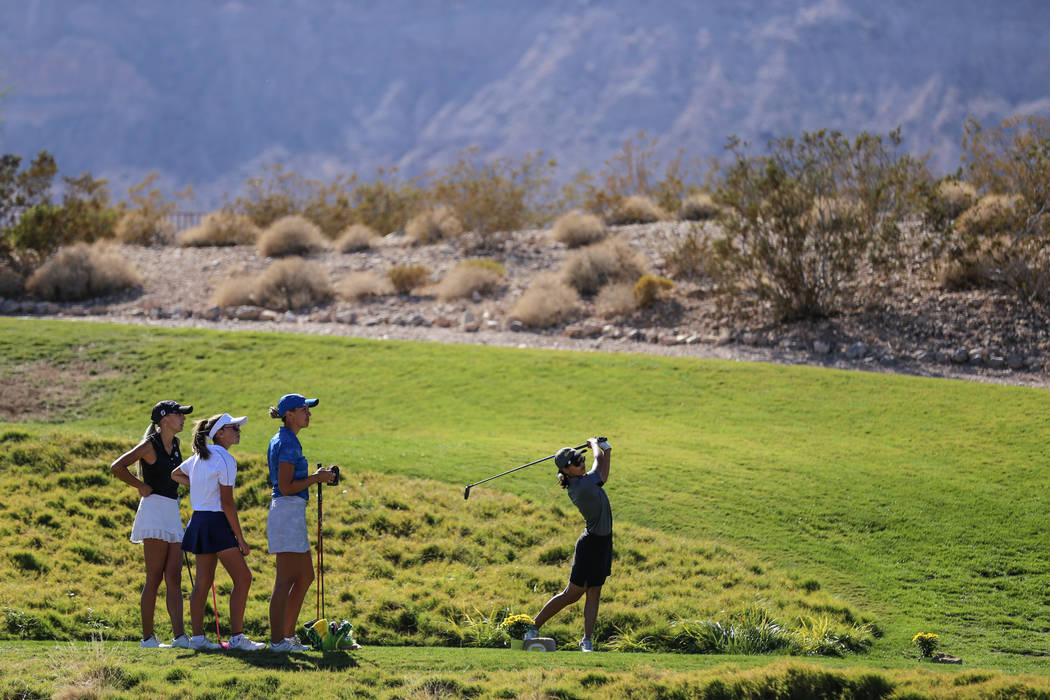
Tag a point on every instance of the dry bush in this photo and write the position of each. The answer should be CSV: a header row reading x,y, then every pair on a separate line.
x,y
293,283
220,228
636,209
616,300
137,228
993,214
955,197
235,291
591,268
355,238
363,285
480,275
547,301
832,212
578,228
433,225
11,284
699,206
649,288
83,271
689,257
291,235
405,278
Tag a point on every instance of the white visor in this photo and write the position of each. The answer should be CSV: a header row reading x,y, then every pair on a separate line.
x,y
224,420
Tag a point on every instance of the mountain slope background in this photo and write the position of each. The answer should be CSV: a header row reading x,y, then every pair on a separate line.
x,y
208,92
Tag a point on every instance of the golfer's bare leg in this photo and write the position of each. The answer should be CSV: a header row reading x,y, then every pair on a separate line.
x,y
294,576
590,609
205,577
303,579
155,552
570,595
233,561
173,588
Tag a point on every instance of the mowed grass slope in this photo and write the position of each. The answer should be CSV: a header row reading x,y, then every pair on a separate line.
x,y
916,501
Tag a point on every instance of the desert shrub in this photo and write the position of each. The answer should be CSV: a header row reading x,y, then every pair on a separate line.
x,y
82,271
405,278
955,197
993,214
689,256
480,275
363,285
589,269
11,284
497,195
145,215
273,196
292,283
699,206
784,240
433,225
291,235
220,228
388,202
355,238
235,291
636,209
547,302
961,274
578,228
616,300
649,288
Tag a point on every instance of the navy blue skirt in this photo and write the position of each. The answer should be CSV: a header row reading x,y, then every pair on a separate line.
x,y
208,532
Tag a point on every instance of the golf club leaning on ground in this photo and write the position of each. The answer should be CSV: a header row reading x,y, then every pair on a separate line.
x,y
466,491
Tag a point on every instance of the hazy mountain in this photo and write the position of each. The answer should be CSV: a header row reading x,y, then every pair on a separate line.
x,y
206,91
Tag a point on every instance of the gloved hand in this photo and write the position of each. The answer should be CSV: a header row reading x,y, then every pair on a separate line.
x,y
604,444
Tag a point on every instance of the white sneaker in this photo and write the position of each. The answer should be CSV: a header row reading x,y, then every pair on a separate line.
x,y
181,642
585,644
242,643
282,647
202,643
531,633
297,644
151,643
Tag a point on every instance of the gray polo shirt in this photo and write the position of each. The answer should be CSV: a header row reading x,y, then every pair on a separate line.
x,y
589,497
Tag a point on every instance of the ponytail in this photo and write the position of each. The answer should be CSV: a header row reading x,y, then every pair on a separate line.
x,y
150,431
200,435
563,480
275,414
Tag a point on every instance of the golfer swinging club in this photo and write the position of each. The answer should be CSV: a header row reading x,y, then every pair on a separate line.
x,y
592,562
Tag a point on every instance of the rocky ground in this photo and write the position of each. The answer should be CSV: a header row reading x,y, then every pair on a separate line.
x,y
913,327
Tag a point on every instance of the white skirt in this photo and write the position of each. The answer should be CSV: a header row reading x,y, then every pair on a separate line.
x,y
286,525
157,519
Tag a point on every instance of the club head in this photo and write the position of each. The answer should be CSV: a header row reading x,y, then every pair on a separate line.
x,y
466,493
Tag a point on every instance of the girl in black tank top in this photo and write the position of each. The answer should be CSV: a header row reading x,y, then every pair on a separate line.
x,y
158,525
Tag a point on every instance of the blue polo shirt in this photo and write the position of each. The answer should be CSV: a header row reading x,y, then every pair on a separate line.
x,y
285,447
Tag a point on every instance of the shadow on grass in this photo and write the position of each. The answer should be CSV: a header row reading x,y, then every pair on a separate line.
x,y
301,661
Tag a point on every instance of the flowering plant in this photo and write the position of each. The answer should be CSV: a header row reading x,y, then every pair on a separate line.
x,y
926,643
516,625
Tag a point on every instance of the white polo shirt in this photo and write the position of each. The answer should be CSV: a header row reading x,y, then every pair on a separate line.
x,y
206,475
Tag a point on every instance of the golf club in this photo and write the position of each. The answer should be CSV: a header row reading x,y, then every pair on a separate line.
x,y
466,491
320,543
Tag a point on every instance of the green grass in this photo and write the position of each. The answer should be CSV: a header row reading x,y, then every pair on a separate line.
x,y
902,500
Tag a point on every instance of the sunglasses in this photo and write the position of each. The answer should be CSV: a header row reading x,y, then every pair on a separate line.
x,y
234,427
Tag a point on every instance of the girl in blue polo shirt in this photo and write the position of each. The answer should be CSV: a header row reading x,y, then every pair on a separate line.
x,y
286,523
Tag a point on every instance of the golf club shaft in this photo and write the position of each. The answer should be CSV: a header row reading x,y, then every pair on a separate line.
x,y
509,471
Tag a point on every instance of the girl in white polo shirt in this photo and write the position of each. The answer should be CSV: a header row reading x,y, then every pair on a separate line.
x,y
214,531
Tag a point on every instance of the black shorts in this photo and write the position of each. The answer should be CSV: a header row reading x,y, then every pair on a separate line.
x,y
592,562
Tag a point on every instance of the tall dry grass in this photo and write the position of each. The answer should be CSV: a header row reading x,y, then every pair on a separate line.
x,y
83,271
355,238
548,301
481,275
291,235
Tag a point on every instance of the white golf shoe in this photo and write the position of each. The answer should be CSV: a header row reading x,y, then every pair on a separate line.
x,y
585,644
242,643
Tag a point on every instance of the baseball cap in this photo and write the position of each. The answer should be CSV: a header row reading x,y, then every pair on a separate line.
x,y
289,402
565,457
224,420
165,408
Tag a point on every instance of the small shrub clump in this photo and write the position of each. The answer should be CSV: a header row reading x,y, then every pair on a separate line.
x,y
636,209
11,284
220,228
406,278
363,285
145,219
699,206
992,214
616,300
481,275
547,302
649,288
578,228
355,238
591,268
286,285
433,225
81,272
291,235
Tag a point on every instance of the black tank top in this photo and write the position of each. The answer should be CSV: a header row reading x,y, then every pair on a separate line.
x,y
158,474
